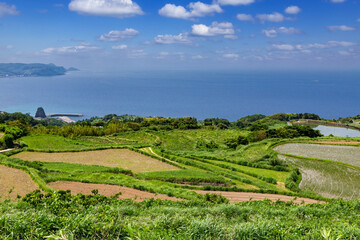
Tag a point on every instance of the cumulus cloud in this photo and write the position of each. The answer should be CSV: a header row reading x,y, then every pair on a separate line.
x,y
196,9
273,17
120,47
343,28
235,2
181,38
215,29
110,8
337,1
244,17
7,10
329,44
116,36
292,10
70,49
274,32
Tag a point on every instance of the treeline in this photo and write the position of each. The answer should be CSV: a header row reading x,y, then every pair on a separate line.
x,y
261,132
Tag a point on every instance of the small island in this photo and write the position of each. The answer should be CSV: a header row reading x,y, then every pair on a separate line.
x,y
32,70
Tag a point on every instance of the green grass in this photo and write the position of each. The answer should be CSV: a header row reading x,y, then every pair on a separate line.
x,y
187,176
63,216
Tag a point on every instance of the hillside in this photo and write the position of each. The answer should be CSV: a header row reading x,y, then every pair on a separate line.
x,y
31,70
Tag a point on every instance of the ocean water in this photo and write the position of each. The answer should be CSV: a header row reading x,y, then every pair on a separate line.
x,y
222,94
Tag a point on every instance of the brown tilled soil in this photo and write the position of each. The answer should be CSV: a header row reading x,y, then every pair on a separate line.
x,y
122,158
1,134
14,182
247,196
337,142
108,190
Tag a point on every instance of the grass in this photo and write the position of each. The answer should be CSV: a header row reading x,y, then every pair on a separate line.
x,y
121,158
327,179
345,154
63,216
187,177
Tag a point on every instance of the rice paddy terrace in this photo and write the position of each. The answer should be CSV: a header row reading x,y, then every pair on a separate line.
x,y
330,170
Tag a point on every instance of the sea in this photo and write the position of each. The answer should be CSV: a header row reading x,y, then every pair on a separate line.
x,y
200,94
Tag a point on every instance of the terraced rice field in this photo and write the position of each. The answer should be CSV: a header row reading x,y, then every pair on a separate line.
x,y
344,154
108,190
327,179
122,158
14,182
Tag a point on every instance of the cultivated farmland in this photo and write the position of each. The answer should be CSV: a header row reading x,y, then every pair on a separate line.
x,y
108,190
327,179
14,182
345,154
121,158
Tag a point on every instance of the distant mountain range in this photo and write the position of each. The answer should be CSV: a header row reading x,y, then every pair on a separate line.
x,y
32,70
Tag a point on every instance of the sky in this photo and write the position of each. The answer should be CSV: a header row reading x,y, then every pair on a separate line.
x,y
105,35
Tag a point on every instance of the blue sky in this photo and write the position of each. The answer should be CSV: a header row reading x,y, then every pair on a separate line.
x,y
105,35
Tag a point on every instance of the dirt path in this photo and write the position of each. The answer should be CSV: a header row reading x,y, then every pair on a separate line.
x,y
246,196
14,182
7,150
108,190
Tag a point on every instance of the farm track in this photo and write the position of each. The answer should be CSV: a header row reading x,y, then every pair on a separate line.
x,y
108,190
247,196
15,182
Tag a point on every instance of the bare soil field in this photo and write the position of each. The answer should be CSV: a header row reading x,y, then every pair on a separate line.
x,y
247,196
108,190
14,182
122,158
1,134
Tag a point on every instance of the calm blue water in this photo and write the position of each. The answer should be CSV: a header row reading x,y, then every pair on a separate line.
x,y
229,95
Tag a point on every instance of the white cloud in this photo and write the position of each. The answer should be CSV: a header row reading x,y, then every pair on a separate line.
x,y
231,55
283,47
197,9
197,57
182,38
344,53
292,10
7,10
341,28
235,2
337,1
215,29
273,32
115,36
70,49
136,53
120,47
329,44
244,17
358,20
110,8
273,17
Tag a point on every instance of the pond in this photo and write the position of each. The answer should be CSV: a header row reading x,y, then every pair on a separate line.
x,y
337,131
